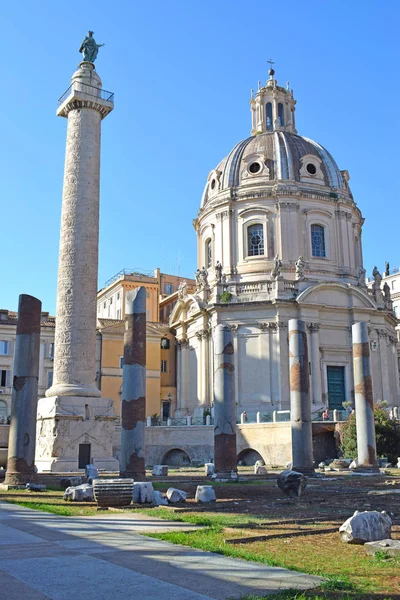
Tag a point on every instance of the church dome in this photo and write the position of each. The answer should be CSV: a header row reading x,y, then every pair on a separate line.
x,y
275,153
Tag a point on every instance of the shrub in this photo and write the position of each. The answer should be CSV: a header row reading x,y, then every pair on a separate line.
x,y
387,432
226,297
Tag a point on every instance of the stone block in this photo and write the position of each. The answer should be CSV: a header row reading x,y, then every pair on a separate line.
x,y
366,526
80,493
91,473
209,469
205,493
291,483
158,499
175,496
339,465
67,482
36,487
160,471
260,470
391,547
142,493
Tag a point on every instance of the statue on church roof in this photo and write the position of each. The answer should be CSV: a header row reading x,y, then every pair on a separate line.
x,y
300,264
387,269
89,48
276,271
218,272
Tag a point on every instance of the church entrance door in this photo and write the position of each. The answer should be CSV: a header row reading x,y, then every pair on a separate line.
x,y
336,389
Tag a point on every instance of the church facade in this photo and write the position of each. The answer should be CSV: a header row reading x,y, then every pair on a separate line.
x,y
279,237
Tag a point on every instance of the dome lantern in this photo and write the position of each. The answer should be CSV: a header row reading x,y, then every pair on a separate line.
x,y
272,108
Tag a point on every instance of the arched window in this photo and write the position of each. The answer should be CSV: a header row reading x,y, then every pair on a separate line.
x,y
281,114
208,254
255,240
268,116
318,247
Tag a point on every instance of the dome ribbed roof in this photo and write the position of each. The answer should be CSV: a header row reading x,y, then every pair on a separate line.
x,y
282,152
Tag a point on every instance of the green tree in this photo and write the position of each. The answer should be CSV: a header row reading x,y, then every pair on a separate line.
x,y
387,433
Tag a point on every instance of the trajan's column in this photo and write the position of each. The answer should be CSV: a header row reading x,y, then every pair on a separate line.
x,y
75,424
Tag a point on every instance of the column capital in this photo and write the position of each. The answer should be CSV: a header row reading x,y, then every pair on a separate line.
x,y
313,327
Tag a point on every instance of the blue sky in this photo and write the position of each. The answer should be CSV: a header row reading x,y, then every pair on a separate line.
x,y
182,73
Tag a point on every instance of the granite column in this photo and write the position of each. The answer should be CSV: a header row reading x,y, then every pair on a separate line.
x,y
364,402
22,438
300,403
133,399
224,404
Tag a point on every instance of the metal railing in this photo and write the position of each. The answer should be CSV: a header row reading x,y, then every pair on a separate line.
x,y
89,90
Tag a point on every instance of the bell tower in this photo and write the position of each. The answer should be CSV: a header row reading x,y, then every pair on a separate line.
x,y
272,107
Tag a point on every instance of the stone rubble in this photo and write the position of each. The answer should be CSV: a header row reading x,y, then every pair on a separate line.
x,y
175,496
91,473
260,470
160,471
142,493
36,487
80,493
291,483
209,469
158,499
73,481
205,493
391,547
366,526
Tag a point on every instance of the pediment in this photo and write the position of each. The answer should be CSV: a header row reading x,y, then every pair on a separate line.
x,y
336,295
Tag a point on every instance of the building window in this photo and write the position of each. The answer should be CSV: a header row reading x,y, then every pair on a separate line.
x,y
3,411
147,294
4,347
255,167
118,313
111,300
255,240
165,344
281,114
105,304
396,310
208,254
268,116
318,240
50,350
49,378
118,295
164,366
5,378
169,288
121,362
393,284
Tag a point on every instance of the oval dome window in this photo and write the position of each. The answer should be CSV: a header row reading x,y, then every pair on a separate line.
x,y
255,167
312,169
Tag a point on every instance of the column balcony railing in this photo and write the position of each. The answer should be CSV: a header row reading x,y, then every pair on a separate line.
x,y
77,88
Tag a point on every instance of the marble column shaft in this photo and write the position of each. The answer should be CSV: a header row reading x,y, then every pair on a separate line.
x,y
133,399
224,402
22,437
300,403
75,335
364,402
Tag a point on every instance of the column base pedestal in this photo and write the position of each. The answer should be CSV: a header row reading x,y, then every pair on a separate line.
x,y
225,476
73,430
368,469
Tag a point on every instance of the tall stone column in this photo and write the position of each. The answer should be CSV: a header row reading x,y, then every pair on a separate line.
x,y
300,404
224,404
133,399
76,424
316,387
22,437
364,402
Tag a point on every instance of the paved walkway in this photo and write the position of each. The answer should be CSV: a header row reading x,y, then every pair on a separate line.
x,y
45,556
